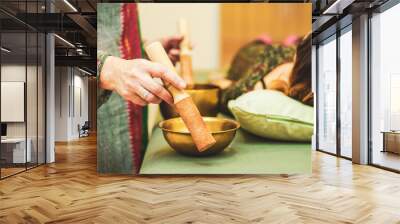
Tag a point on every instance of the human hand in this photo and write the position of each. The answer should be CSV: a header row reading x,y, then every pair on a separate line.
x,y
134,80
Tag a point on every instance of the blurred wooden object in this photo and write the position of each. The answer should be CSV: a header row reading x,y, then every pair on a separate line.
x,y
391,141
241,23
186,68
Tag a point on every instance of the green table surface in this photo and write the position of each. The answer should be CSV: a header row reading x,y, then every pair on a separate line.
x,y
247,154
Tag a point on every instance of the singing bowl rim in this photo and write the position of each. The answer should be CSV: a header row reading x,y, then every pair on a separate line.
x,y
237,125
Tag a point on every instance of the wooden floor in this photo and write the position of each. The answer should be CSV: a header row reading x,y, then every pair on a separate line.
x,y
8,171
387,159
5,172
70,191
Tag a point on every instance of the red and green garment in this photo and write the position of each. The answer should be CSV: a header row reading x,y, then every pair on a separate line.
x,y
121,125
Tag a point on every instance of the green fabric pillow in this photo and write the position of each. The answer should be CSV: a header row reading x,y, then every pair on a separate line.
x,y
271,114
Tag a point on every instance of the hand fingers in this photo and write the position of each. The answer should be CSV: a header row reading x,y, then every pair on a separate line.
x,y
156,89
160,71
136,100
144,94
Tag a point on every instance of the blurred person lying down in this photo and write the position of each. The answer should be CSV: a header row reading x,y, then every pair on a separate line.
x,y
260,64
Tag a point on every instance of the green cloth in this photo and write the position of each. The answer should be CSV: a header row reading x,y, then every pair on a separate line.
x,y
275,105
113,143
247,154
272,114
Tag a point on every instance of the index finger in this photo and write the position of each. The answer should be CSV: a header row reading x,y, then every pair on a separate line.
x,y
159,71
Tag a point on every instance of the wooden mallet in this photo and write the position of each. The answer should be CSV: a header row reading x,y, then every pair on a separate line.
x,y
183,102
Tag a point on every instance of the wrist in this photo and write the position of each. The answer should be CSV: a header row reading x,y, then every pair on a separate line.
x,y
107,73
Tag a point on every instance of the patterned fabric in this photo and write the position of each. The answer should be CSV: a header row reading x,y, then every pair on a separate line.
x,y
250,65
130,48
122,132
245,58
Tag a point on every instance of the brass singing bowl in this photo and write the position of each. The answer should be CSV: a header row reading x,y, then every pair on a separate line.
x,y
205,96
179,138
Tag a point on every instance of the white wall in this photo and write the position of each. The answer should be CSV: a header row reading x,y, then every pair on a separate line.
x,y
69,82
33,126
160,20
79,117
14,73
62,81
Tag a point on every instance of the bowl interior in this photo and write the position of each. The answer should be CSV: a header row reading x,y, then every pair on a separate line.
x,y
215,125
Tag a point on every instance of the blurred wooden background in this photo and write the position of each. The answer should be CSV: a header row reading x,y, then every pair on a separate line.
x,y
241,23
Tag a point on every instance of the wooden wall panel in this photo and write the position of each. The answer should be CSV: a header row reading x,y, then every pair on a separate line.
x,y
241,23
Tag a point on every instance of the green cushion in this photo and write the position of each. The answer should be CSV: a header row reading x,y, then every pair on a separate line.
x,y
271,114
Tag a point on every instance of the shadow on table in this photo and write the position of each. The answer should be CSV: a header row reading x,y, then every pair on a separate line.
x,y
247,137
168,153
